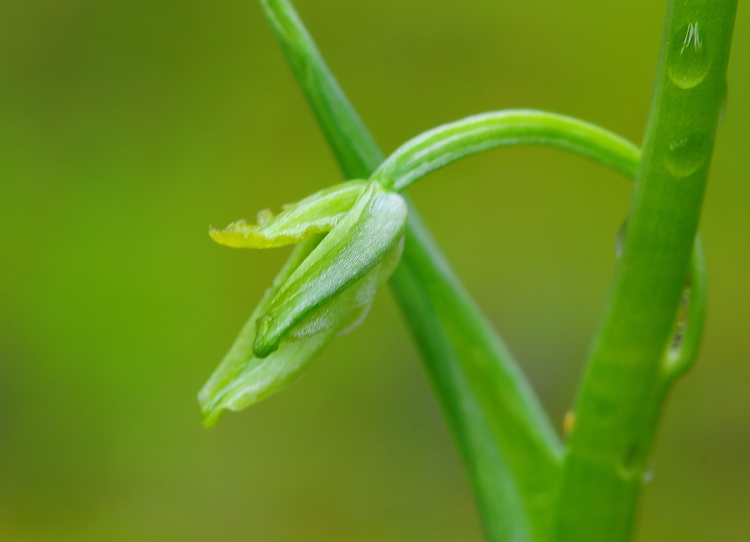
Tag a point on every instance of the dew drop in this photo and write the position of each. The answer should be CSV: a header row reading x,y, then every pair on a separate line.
x,y
681,321
689,61
648,475
685,155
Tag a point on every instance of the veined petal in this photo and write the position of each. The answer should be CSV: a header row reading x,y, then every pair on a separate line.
x,y
257,378
230,384
318,213
243,379
344,312
358,242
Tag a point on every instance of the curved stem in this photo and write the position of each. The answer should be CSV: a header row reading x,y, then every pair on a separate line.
x,y
623,391
449,142
682,350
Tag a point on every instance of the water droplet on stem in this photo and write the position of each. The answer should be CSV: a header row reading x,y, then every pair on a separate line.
x,y
689,61
686,154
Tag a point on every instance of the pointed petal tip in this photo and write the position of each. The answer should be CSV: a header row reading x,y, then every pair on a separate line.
x,y
242,234
210,410
209,419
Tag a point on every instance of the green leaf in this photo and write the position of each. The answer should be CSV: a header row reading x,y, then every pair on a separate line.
x,y
318,213
358,242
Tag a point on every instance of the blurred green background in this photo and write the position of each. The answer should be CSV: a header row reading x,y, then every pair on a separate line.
x,y
126,128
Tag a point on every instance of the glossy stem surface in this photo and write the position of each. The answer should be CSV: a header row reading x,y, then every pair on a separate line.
x,y
440,146
623,392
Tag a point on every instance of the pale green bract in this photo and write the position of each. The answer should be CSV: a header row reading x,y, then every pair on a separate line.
x,y
326,287
318,213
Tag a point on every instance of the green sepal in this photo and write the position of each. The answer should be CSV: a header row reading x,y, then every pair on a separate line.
x,y
318,213
358,242
223,390
348,309
374,222
243,379
257,378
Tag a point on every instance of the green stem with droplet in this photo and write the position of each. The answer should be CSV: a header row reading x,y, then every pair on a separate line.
x,y
448,143
623,392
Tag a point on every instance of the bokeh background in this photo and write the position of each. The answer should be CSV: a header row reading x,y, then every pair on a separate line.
x,y
126,128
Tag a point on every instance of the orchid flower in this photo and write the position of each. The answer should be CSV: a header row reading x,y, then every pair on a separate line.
x,y
350,241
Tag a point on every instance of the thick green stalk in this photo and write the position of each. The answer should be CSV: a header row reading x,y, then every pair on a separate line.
x,y
504,436
624,389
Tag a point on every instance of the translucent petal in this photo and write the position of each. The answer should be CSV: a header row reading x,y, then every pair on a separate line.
x,y
225,387
347,310
257,378
243,379
318,213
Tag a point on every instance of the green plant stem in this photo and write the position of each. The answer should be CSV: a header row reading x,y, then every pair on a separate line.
x,y
486,398
447,143
451,142
688,328
356,151
481,399
623,391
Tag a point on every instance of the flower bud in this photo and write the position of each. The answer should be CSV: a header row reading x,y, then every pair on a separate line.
x,y
326,288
